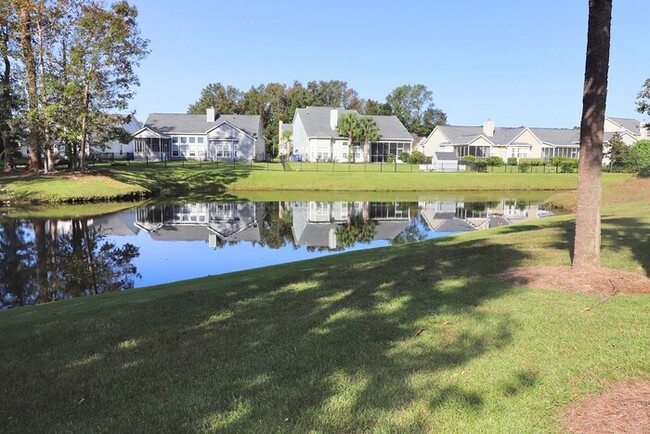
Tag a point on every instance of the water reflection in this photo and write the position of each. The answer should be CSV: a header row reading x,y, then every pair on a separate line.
x,y
46,260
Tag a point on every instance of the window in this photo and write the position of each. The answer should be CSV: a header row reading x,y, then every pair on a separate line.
x,y
519,152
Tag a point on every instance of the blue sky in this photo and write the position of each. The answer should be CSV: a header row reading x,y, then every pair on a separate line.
x,y
516,62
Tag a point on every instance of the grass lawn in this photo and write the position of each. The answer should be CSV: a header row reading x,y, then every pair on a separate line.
x,y
63,188
212,181
408,338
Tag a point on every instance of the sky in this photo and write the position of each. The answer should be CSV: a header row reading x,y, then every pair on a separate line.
x,y
517,62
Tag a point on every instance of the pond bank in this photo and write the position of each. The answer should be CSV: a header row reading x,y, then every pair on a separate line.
x,y
210,181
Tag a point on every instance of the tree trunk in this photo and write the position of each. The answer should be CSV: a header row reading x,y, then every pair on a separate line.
x,y
25,29
84,128
365,151
5,109
586,253
90,259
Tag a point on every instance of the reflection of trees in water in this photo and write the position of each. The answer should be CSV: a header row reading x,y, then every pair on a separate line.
x,y
356,230
277,228
52,266
416,230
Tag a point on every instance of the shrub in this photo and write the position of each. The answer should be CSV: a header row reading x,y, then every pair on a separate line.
x,y
565,165
417,157
404,157
480,165
390,158
641,150
523,166
467,160
533,161
512,161
495,161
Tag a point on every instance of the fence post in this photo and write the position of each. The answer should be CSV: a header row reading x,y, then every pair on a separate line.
x,y
381,166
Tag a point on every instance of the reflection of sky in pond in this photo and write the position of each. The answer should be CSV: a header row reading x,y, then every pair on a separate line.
x,y
172,242
162,262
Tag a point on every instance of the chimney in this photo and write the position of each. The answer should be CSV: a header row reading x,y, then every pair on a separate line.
x,y
488,128
643,129
210,115
334,118
280,132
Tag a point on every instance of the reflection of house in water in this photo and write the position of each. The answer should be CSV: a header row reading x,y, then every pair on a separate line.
x,y
315,223
461,216
121,223
216,222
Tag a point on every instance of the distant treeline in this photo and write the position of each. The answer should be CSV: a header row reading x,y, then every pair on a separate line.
x,y
274,102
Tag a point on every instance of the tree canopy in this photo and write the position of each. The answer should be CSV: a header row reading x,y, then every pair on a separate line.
x,y
275,102
78,60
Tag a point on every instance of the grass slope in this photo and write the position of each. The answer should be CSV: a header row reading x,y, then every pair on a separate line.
x,y
211,181
409,338
63,188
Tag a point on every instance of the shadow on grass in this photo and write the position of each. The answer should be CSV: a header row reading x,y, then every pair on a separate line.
x,y
329,345
191,181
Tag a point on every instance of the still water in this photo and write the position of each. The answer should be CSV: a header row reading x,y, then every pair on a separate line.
x,y
46,259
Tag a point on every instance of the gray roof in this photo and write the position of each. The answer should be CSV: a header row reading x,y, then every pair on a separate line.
x,y
316,121
629,124
446,156
466,134
287,127
565,137
181,123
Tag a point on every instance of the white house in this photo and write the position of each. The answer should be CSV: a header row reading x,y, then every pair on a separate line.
x,y
315,137
118,149
521,142
213,136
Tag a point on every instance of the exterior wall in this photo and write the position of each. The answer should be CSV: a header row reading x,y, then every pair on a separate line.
x,y
318,147
611,127
300,139
433,143
528,137
246,146
117,148
500,151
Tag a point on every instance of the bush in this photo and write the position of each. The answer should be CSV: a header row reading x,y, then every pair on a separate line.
x,y
523,166
390,158
417,157
532,161
495,161
512,161
467,160
641,150
404,157
565,165
480,165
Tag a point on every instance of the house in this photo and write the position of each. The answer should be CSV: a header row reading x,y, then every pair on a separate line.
x,y
216,223
213,136
315,223
520,142
315,137
115,147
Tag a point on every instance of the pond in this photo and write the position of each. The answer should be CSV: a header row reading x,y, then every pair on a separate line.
x,y
52,259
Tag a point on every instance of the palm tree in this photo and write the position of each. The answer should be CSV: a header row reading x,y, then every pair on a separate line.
x,y
368,132
586,252
348,125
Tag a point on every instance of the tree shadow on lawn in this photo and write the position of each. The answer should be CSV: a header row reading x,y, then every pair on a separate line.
x,y
618,236
335,349
177,181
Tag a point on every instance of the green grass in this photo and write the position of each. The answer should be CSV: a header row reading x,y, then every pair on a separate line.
x,y
409,338
212,181
63,188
